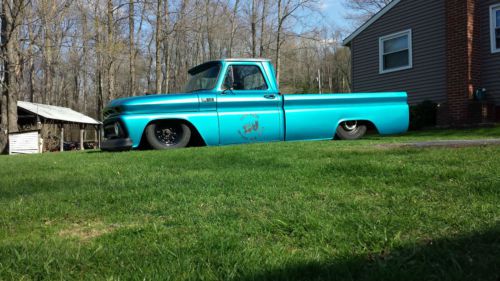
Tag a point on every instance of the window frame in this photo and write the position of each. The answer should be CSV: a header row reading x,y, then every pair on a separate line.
x,y
493,27
381,53
232,65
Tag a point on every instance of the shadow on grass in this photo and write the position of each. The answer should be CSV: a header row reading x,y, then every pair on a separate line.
x,y
474,257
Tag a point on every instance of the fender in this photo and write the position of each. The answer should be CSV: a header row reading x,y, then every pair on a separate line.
x,y
205,122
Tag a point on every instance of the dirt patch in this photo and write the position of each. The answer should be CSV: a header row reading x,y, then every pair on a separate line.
x,y
444,143
87,230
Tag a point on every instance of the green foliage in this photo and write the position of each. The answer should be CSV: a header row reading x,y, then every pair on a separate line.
x,y
282,211
423,115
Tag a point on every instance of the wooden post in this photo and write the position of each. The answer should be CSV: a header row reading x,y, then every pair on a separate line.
x,y
62,138
82,131
40,143
98,134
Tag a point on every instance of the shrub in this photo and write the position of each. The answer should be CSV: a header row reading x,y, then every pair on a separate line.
x,y
423,115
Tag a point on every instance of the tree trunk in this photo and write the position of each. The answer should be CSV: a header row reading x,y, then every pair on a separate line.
x,y
4,122
131,23
47,75
158,46
31,64
254,28
100,65
209,30
84,66
14,64
278,43
110,55
263,27
11,16
166,47
149,72
233,27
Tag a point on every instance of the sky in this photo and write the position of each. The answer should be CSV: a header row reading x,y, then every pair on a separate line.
x,y
334,10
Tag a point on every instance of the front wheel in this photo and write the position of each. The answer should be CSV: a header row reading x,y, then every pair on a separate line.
x,y
168,135
351,130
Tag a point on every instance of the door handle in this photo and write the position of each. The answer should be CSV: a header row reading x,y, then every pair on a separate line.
x,y
270,97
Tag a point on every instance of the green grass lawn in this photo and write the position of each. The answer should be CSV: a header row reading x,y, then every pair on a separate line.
x,y
282,211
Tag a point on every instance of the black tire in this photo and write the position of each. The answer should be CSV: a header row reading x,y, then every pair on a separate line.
x,y
168,135
351,130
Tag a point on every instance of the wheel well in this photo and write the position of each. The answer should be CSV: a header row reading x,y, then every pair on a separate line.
x,y
369,124
196,139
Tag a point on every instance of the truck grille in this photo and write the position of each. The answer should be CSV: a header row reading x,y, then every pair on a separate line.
x,y
109,112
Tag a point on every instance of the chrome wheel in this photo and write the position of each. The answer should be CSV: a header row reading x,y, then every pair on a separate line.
x,y
350,125
168,134
351,130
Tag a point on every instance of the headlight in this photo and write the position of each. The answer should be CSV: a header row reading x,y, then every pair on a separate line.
x,y
117,128
114,130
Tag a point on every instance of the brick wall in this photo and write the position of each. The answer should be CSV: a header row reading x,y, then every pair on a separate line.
x,y
462,57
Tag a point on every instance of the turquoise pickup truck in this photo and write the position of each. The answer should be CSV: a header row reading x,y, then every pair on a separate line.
x,y
235,101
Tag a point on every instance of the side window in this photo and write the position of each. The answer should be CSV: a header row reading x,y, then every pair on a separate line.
x,y
244,77
395,52
495,28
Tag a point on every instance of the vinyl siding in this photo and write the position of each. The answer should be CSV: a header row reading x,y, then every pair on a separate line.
x,y
490,63
427,79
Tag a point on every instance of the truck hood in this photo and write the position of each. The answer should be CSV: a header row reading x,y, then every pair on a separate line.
x,y
187,102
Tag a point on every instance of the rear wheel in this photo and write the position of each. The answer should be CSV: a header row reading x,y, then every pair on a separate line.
x,y
351,130
168,135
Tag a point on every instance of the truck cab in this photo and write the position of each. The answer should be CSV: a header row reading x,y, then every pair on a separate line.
x,y
248,102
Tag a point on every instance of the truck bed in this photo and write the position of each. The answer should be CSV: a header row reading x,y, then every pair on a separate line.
x,y
316,116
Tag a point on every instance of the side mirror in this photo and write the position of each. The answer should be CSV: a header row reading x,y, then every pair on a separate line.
x,y
227,92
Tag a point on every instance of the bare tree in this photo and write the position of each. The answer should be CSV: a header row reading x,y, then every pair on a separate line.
x,y
85,50
286,9
131,47
254,28
11,19
166,46
99,49
362,10
262,27
158,44
234,26
83,53
110,42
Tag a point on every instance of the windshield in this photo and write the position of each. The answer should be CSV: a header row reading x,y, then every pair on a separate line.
x,y
203,77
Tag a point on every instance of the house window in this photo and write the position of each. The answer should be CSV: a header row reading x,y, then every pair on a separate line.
x,y
395,52
495,28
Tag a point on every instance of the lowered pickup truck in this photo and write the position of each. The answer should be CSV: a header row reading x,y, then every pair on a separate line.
x,y
234,101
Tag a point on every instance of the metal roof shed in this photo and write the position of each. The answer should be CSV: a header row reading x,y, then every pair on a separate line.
x,y
60,115
64,114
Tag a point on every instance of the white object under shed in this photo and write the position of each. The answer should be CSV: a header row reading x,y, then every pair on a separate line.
x,y
24,143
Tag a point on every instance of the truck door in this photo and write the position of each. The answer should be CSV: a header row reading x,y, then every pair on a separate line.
x,y
248,111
